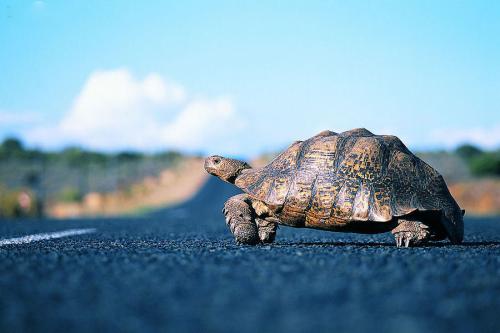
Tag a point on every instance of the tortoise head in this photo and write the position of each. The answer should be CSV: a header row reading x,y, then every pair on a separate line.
x,y
226,169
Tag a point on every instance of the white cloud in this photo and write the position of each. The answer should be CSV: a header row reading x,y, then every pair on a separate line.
x,y
114,110
452,137
202,121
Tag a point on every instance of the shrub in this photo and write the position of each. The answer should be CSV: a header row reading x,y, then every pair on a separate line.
x,y
129,156
486,164
468,151
480,163
69,194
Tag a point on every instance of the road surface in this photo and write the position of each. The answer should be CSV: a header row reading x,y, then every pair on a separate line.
x,y
178,270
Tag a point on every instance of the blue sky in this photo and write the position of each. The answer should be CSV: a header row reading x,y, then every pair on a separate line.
x,y
240,78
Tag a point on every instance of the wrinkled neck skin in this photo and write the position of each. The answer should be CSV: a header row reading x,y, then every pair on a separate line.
x,y
239,173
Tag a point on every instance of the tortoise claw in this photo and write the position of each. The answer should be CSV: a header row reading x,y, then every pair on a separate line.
x,y
404,239
399,240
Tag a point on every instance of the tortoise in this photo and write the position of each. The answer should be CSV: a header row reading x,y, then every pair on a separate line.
x,y
353,181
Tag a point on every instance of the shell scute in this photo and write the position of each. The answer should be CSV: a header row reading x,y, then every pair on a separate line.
x,y
323,196
319,154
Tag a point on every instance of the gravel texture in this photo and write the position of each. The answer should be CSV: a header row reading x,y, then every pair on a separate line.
x,y
178,270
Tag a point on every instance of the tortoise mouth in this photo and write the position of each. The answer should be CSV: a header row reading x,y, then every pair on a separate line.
x,y
210,170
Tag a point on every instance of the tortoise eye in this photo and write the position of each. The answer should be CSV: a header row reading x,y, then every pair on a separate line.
x,y
216,160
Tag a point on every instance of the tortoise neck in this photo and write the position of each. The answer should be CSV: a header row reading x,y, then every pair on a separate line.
x,y
240,173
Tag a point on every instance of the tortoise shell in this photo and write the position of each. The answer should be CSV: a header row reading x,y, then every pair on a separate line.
x,y
332,180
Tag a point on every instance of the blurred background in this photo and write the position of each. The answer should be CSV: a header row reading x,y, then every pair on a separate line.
x,y
107,107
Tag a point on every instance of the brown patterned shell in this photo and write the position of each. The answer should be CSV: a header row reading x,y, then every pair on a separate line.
x,y
333,179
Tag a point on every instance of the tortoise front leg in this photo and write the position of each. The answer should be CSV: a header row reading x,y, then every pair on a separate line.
x,y
240,219
246,227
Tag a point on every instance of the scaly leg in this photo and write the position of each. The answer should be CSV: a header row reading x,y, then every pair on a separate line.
x,y
240,219
245,225
410,233
267,229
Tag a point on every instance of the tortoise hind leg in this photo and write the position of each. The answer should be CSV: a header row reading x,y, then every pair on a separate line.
x,y
411,232
267,225
267,229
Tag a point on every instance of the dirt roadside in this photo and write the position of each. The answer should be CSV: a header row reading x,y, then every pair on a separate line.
x,y
170,187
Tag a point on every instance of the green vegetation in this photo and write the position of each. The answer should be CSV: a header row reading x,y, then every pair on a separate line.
x,y
468,151
481,163
12,148
70,194
486,164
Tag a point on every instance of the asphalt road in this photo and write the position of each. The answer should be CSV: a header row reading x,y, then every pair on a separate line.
x,y
179,270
